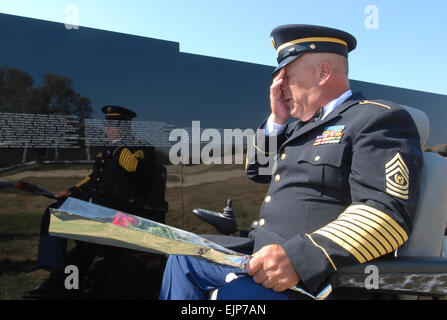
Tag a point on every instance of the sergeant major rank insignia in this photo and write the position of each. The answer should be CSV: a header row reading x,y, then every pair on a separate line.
x,y
331,134
397,177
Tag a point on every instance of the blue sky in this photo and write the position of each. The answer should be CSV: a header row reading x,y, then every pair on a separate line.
x,y
406,48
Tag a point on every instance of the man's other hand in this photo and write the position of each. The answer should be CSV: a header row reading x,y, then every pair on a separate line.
x,y
63,194
271,267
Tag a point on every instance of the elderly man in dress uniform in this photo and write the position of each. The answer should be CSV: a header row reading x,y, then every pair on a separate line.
x,y
343,190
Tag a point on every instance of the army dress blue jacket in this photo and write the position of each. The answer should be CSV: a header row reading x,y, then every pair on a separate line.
x,y
343,190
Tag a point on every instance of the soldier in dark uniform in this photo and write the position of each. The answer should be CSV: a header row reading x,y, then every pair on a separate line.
x,y
126,173
344,186
126,176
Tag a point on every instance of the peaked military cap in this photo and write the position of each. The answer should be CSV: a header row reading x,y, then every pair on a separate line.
x,y
118,113
293,40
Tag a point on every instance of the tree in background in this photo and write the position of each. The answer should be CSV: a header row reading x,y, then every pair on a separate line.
x,y
55,96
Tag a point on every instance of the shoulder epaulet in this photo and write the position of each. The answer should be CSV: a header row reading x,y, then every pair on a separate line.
x,y
375,103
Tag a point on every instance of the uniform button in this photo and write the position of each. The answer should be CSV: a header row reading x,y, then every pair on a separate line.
x,y
277,178
317,158
268,199
261,222
97,179
283,156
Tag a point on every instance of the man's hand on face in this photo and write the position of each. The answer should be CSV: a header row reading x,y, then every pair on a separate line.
x,y
271,267
278,104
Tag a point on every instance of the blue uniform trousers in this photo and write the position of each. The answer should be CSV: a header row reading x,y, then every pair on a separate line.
x,y
188,278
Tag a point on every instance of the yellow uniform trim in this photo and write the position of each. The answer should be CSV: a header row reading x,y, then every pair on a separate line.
x,y
257,148
370,212
397,167
324,251
343,244
376,103
364,230
362,240
311,39
388,241
129,161
353,242
81,183
113,114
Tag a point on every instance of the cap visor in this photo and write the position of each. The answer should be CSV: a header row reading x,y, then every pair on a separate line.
x,y
285,62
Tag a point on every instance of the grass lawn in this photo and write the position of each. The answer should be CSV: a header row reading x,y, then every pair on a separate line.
x,y
20,218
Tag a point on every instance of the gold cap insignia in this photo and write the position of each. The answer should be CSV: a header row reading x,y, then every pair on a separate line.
x,y
272,40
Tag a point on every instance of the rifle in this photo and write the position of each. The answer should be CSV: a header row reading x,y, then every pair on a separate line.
x,y
28,187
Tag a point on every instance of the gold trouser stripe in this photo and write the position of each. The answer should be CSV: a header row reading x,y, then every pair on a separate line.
x,y
311,39
353,242
383,219
246,161
374,236
343,244
324,251
81,183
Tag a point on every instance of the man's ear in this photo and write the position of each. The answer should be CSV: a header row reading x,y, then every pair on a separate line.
x,y
325,73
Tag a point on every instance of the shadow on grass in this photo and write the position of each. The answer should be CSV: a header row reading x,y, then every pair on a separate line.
x,y
16,267
17,236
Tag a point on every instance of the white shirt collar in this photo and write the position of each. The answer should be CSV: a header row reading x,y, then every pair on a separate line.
x,y
335,103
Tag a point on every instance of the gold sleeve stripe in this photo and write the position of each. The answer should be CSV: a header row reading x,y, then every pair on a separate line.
x,y
81,183
367,233
343,244
352,241
379,242
128,160
362,238
389,241
380,216
324,251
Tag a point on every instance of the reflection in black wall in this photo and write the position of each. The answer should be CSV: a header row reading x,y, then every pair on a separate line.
x,y
161,83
